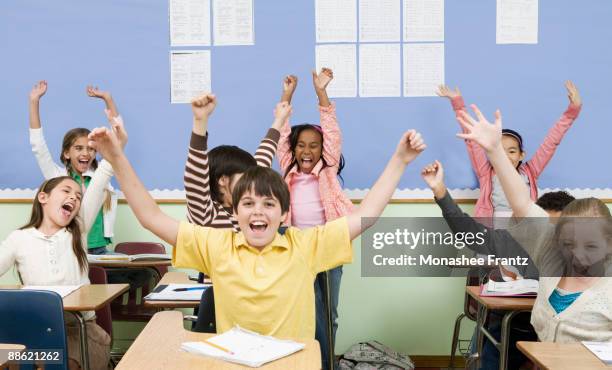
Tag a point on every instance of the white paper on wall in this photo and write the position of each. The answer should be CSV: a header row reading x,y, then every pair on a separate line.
x,y
189,22
517,22
336,20
233,22
189,75
423,20
379,70
423,69
342,60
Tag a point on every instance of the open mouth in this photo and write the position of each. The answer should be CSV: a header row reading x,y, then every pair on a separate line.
x,y
258,226
83,162
67,209
307,161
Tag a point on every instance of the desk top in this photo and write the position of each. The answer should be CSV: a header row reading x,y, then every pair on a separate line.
x,y
556,356
174,277
140,264
501,303
158,347
89,297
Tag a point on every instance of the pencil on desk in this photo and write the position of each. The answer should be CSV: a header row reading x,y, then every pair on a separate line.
x,y
218,347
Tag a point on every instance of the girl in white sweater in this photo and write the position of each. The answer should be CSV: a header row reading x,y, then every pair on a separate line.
x,y
51,249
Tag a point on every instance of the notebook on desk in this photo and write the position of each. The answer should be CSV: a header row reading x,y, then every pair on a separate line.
x,y
177,292
62,290
244,347
513,288
602,350
128,258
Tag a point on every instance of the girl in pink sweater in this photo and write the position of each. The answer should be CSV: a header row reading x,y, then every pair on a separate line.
x,y
492,201
311,160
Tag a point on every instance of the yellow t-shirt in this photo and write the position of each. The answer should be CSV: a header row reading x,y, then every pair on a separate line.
x,y
269,291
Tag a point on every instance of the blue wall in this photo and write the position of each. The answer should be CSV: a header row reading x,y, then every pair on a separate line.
x,y
124,46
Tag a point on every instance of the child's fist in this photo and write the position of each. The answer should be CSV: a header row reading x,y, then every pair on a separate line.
x,y
38,90
410,146
203,106
282,111
289,84
433,174
322,79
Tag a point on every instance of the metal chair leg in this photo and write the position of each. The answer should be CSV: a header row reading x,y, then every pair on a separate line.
x,y
455,341
330,330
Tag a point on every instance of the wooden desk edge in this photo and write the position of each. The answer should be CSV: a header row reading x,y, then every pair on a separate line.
x,y
123,289
519,303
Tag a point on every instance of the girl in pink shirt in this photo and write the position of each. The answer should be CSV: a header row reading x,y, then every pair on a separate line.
x,y
492,201
311,160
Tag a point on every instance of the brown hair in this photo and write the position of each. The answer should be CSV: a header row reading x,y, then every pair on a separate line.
x,y
73,227
262,181
69,138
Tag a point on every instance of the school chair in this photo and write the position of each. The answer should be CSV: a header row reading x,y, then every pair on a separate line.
x,y
97,275
35,319
205,322
134,310
470,310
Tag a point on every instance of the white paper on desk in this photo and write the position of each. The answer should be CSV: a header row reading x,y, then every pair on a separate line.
x,y
342,59
423,20
517,22
379,70
602,350
379,20
248,348
189,75
423,69
168,293
233,22
189,22
62,290
336,20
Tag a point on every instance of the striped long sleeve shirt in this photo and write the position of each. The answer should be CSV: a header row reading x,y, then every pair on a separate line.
x,y
201,208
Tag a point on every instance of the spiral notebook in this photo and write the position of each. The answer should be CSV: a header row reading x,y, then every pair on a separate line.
x,y
243,347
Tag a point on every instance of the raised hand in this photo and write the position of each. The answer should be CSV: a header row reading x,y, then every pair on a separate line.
x,y
118,128
321,80
446,92
572,93
289,85
487,135
39,89
203,106
410,146
433,174
105,141
95,92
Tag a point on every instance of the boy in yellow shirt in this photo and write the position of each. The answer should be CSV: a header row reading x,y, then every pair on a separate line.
x,y
263,280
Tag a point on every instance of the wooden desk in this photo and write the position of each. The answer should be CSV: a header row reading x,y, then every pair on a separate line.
x,y
173,277
510,306
4,354
158,347
556,356
87,298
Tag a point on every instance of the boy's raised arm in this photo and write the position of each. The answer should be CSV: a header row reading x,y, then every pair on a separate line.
x,y
409,147
142,204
